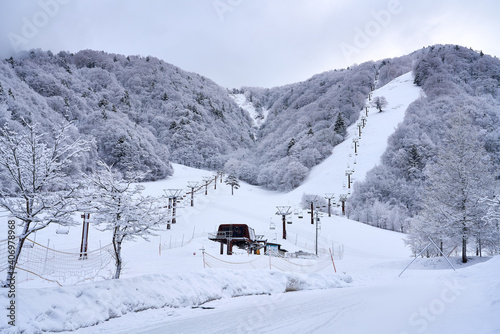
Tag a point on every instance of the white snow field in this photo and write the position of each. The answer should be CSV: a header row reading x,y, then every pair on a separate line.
x,y
165,288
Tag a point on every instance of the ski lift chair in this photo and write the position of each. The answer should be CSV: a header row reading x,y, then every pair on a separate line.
x,y
62,229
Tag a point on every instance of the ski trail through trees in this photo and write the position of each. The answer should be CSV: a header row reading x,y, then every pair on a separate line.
x,y
330,176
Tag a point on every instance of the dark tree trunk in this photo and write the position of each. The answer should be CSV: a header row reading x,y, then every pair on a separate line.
x,y
117,246
464,250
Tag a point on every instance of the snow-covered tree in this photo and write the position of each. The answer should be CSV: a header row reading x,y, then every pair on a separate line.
x,y
33,165
232,181
488,236
118,206
455,184
379,102
319,202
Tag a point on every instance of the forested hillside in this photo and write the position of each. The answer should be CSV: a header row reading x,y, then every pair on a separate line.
x,y
307,119
299,131
140,111
420,178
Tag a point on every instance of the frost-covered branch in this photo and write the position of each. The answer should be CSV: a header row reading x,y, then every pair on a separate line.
x,y
118,205
37,194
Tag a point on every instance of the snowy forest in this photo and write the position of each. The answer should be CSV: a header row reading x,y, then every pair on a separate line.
x,y
306,120
438,175
140,113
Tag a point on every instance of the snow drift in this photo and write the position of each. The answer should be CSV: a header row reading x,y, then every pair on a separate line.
x,y
73,307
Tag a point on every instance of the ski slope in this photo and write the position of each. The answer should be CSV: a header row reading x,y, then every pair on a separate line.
x,y
165,277
329,177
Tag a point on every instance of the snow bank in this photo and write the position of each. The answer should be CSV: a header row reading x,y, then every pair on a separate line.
x,y
69,308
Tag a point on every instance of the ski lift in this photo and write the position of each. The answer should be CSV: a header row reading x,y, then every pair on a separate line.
x,y
62,229
289,221
272,226
300,216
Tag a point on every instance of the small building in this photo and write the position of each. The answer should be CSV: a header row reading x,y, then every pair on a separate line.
x,y
272,248
240,235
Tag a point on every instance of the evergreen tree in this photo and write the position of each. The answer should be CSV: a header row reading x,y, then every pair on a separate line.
x,y
290,145
232,181
414,163
340,126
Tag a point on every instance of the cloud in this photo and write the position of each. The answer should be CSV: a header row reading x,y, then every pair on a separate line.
x,y
251,42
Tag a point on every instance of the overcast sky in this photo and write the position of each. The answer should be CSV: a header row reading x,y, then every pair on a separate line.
x,y
250,42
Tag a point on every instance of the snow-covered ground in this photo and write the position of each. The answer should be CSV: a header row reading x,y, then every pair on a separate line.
x,y
166,289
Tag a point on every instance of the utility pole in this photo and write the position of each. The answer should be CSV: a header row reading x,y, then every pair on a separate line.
x,y
317,230
355,142
172,195
312,213
284,211
192,185
311,201
348,172
363,120
216,175
221,175
343,199
207,180
85,236
329,197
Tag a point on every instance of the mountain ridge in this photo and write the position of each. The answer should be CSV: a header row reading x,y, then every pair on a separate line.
x,y
143,113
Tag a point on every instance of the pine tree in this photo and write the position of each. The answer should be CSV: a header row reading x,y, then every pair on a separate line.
x,y
414,163
232,181
290,145
340,126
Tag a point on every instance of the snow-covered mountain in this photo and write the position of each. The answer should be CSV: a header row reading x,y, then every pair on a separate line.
x,y
454,81
165,276
143,113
